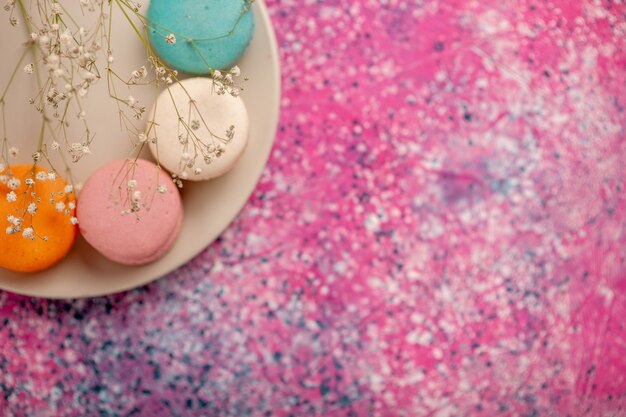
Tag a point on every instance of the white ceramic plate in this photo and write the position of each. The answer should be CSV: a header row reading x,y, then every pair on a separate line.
x,y
209,206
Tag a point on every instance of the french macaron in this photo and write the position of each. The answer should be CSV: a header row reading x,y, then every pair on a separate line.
x,y
209,139
198,36
38,208
130,211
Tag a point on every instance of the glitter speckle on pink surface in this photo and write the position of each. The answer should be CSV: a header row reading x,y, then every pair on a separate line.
x,y
439,232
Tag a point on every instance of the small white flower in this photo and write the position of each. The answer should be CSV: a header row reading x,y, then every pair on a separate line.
x,y
29,181
11,197
32,209
41,176
74,220
29,68
197,171
131,184
54,145
88,76
56,8
65,38
235,71
13,183
142,138
13,151
171,39
28,233
162,188
184,175
60,206
217,74
71,205
52,176
137,196
10,230
186,156
68,189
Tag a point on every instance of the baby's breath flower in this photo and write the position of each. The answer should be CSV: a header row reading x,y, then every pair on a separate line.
x,y
13,151
29,181
74,220
56,8
132,184
28,233
13,183
69,189
162,188
52,176
12,197
60,206
137,196
78,150
171,39
65,38
29,68
54,145
41,176
32,209
71,205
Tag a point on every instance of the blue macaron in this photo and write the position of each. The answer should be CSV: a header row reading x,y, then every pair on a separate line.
x,y
196,36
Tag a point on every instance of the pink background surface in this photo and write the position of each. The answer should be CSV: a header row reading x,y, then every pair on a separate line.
x,y
439,232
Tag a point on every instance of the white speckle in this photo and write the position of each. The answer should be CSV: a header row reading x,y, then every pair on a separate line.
x,y
372,223
340,267
417,337
432,229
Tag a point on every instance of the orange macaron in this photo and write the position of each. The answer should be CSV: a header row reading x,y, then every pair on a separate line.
x,y
38,210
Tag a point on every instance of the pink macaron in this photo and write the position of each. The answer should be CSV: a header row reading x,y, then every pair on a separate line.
x,y
130,211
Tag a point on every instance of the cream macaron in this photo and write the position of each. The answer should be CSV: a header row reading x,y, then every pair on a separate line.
x,y
196,133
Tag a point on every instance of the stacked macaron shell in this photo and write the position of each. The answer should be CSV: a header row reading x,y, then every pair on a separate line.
x,y
130,211
198,36
41,228
211,137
